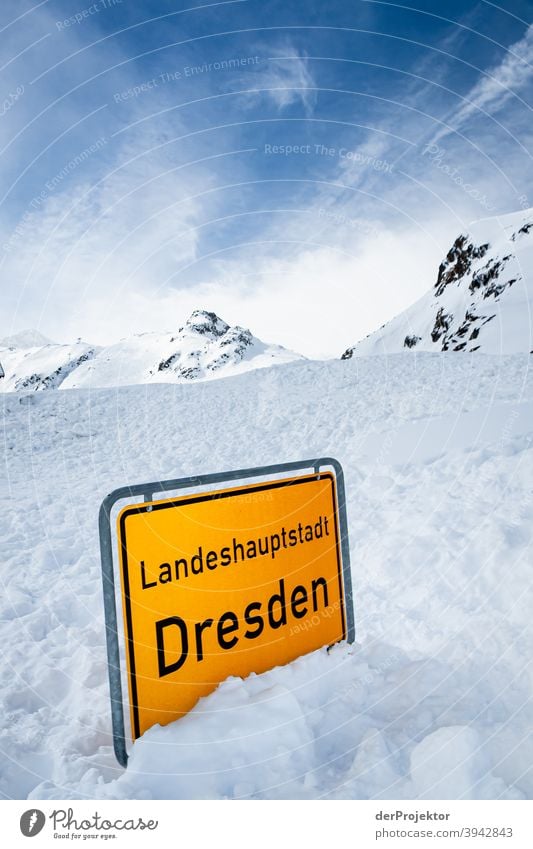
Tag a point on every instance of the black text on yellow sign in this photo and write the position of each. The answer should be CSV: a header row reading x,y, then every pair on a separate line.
x,y
226,583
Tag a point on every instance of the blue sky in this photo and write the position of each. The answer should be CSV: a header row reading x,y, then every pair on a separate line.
x,y
300,168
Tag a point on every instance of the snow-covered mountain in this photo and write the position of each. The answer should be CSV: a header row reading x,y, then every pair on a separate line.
x,y
205,347
41,367
25,339
481,300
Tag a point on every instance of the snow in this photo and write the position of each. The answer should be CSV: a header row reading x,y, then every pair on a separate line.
x,y
25,339
434,698
203,349
451,763
479,317
41,367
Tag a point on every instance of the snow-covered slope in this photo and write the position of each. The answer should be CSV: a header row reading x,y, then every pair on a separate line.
x,y
204,348
43,367
25,339
482,299
433,700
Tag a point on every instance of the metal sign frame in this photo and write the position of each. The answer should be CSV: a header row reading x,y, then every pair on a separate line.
x,y
147,491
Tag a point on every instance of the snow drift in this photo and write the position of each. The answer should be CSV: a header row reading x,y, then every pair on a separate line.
x,y
433,700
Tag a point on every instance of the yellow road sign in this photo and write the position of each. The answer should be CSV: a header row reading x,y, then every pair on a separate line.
x,y
226,583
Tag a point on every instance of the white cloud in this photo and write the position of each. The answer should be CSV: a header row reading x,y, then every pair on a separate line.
x,y
326,298
85,247
80,281
287,78
496,86
99,261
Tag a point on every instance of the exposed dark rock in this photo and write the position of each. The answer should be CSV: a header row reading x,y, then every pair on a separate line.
x,y
236,338
232,343
206,324
458,262
189,372
164,364
442,324
489,272
525,229
497,289
56,378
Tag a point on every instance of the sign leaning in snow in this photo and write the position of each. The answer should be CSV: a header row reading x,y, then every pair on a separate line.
x,y
228,582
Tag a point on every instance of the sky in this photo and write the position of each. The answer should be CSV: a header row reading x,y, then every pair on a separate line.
x,y
300,168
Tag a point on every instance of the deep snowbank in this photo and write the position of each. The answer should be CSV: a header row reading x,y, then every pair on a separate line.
x,y
434,699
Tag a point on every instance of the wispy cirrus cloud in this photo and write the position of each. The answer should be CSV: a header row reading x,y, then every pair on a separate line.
x,y
236,188
88,243
497,85
286,80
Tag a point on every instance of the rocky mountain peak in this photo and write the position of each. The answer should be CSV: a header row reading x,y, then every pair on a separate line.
x,y
206,324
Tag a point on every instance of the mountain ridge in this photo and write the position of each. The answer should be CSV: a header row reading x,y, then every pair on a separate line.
x,y
480,301
205,347
29,338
